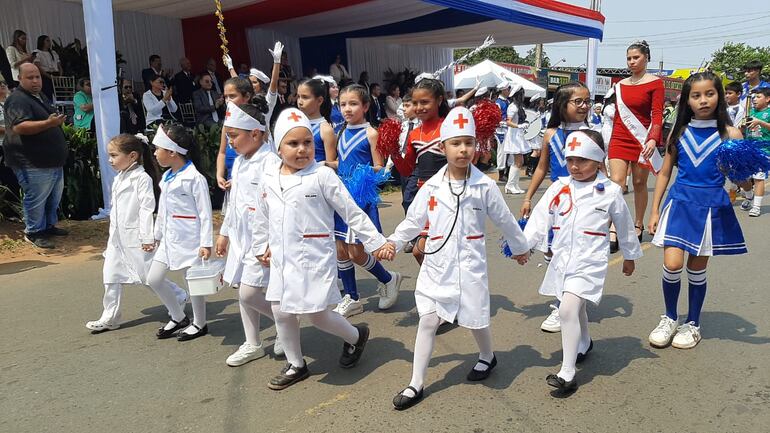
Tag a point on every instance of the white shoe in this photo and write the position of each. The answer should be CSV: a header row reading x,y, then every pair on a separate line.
x,y
278,347
662,335
100,325
755,211
349,307
552,323
746,204
389,292
246,353
687,336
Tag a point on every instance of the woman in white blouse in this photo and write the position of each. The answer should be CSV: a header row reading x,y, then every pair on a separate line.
x,y
158,102
17,53
393,101
47,60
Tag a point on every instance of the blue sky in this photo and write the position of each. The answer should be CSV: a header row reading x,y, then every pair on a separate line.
x,y
680,32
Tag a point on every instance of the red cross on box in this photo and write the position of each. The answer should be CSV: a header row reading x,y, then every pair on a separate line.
x,y
574,143
461,121
432,203
293,116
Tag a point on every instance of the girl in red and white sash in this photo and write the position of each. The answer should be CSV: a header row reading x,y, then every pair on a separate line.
x,y
636,131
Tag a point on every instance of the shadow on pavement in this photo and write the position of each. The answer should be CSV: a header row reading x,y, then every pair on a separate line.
x,y
729,326
22,266
610,307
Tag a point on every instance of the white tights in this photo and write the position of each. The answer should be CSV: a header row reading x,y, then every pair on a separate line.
x,y
574,332
156,279
252,302
287,325
113,297
423,348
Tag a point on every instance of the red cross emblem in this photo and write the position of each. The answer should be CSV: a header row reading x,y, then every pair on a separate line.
x,y
432,203
293,116
227,115
461,121
573,144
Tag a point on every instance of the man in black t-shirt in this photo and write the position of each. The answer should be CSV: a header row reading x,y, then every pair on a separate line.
x,y
36,150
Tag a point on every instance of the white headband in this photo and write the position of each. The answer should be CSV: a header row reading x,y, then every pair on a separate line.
x,y
326,78
237,118
424,76
458,123
289,119
164,142
579,144
254,72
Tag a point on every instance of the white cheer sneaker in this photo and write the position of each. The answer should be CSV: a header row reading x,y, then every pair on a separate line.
x,y
552,323
101,325
687,336
662,335
246,353
349,307
389,292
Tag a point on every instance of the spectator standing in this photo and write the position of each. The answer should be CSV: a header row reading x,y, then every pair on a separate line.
x,y
184,82
158,102
337,70
735,110
375,108
286,73
131,113
36,150
752,71
208,103
17,53
48,62
363,79
84,106
3,97
393,101
5,72
156,68
211,71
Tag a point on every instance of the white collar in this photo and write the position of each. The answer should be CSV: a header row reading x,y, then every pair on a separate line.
x,y
696,123
572,126
359,126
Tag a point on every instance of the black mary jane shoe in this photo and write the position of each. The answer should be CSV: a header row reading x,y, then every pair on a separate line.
x,y
163,334
561,385
641,233
285,380
614,245
477,375
351,353
183,336
582,356
403,402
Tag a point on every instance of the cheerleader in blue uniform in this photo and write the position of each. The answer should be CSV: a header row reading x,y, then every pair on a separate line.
x,y
697,216
314,101
357,144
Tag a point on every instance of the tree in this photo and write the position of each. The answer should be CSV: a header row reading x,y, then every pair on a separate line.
x,y
495,54
529,59
732,56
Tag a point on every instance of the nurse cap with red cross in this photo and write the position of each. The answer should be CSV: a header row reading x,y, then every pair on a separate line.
x,y
289,119
579,144
458,123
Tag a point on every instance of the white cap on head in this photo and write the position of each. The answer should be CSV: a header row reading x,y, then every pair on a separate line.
x,y
482,91
261,76
289,119
163,141
579,144
458,123
237,118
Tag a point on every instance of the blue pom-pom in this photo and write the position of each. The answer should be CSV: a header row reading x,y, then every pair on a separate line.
x,y
363,184
741,159
523,222
504,248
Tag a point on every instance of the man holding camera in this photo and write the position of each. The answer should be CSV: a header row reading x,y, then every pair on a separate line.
x,y
36,150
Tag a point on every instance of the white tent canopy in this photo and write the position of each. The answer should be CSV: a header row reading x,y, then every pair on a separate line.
x,y
491,74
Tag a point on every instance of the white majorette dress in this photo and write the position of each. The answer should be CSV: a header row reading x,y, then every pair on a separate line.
x,y
295,218
453,282
184,218
131,225
242,264
697,215
579,214
515,143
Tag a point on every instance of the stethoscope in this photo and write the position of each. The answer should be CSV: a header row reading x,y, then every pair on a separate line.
x,y
457,212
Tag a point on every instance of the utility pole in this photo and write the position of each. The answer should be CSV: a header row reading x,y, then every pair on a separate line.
x,y
538,56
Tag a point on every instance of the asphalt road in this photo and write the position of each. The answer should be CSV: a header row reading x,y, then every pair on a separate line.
x,y
57,377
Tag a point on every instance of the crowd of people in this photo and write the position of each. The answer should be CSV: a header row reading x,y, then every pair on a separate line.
x,y
293,234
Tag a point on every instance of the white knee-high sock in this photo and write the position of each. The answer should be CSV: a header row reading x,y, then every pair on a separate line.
x,y
335,324
113,294
252,302
423,348
483,338
156,279
514,173
199,313
287,326
569,315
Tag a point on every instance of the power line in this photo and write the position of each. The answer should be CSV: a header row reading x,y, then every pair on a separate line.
x,y
678,19
680,31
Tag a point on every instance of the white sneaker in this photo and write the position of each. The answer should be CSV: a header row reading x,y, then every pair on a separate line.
x,y
662,335
278,347
552,323
389,292
100,326
687,336
755,211
247,352
349,307
746,204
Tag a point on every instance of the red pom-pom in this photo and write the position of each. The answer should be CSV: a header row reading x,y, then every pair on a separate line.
x,y
487,116
388,135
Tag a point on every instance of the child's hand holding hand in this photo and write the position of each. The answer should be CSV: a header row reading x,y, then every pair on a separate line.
x,y
264,259
221,246
385,252
628,267
522,259
205,253
148,247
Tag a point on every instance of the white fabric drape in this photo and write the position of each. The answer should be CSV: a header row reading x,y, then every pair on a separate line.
x,y
137,35
260,40
376,57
